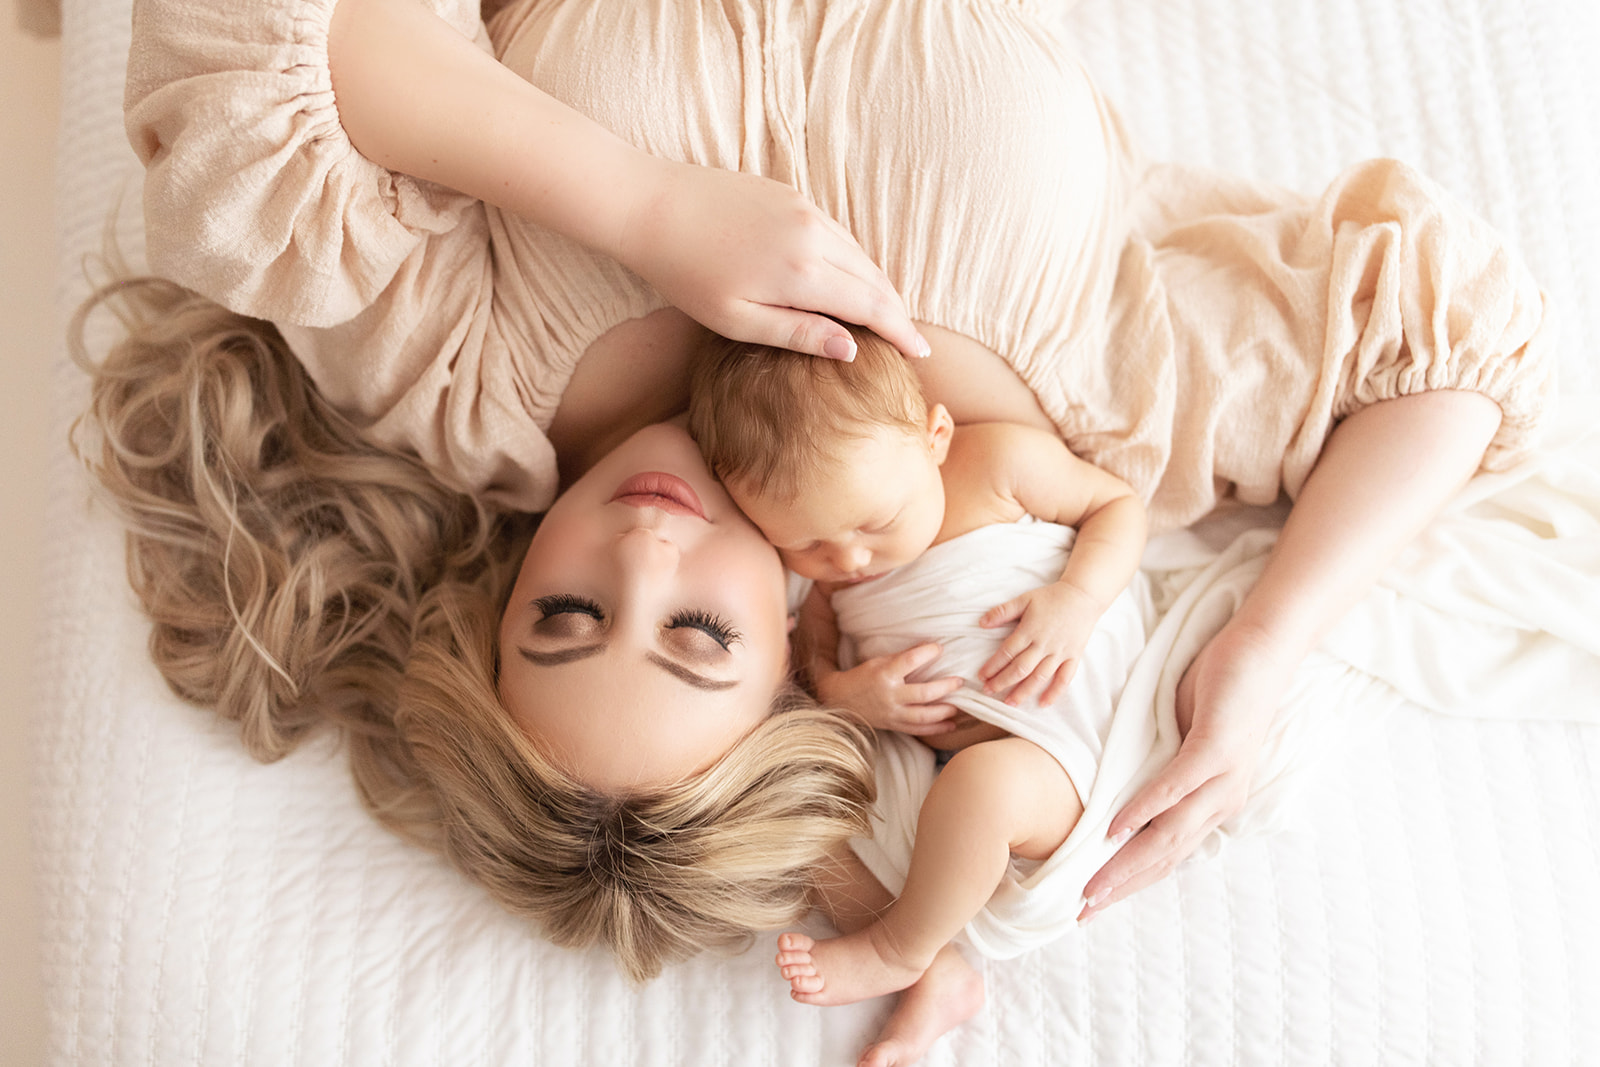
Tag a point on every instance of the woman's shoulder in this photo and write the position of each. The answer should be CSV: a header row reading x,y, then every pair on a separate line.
x,y
254,196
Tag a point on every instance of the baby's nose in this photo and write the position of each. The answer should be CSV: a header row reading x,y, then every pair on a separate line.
x,y
851,558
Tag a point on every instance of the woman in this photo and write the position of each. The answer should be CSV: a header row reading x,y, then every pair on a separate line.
x,y
1195,336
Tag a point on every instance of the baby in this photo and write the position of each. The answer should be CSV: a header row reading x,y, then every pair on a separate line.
x,y
849,472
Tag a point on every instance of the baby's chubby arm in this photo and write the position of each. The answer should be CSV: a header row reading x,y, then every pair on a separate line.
x,y
876,690
1053,623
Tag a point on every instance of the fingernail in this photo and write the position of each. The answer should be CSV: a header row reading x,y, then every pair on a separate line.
x,y
1121,837
1095,901
840,348
924,349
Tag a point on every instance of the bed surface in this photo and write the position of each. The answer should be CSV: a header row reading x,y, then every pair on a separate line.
x,y
1433,899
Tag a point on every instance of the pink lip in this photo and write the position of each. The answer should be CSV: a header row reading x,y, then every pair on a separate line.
x,y
655,489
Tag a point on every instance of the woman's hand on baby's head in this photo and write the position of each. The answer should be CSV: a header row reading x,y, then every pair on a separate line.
x,y
878,691
756,261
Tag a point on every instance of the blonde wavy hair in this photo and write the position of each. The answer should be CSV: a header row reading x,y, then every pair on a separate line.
x,y
298,576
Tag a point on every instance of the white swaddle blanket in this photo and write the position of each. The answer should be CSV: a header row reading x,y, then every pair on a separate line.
x,y
1493,608
940,596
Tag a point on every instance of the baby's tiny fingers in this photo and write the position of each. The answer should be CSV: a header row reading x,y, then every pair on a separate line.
x,y
930,692
944,724
1019,668
1058,684
1025,690
1004,658
1001,614
914,658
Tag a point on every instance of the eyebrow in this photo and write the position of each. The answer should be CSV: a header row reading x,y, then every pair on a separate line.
x,y
677,670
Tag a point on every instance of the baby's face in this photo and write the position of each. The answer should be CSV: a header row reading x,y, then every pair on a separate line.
x,y
880,508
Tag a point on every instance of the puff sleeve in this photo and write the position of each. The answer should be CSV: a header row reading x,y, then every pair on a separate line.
x,y
384,285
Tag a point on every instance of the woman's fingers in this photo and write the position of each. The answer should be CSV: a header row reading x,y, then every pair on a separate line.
x,y
868,298
1191,768
755,260
809,316
1152,853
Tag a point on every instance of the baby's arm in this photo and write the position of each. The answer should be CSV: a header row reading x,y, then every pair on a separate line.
x,y
877,689
749,257
1053,623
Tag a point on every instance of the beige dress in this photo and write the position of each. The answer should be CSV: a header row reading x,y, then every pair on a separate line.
x,y
1193,333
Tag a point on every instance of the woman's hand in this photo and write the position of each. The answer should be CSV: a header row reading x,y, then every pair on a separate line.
x,y
756,261
1225,703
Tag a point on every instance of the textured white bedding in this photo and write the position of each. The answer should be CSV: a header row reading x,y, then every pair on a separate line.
x,y
1434,899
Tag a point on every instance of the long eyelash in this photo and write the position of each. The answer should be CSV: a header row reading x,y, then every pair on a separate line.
x,y
714,625
567,603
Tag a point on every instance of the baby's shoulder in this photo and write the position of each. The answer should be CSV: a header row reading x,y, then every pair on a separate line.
x,y
980,470
1001,446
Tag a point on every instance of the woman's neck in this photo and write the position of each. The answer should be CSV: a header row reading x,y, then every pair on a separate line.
x,y
635,374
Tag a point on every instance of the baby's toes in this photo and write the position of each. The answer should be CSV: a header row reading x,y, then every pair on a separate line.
x,y
794,942
806,983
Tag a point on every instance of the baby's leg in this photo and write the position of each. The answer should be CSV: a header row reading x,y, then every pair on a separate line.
x,y
948,994
992,800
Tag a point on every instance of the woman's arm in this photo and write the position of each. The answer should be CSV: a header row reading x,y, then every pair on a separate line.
x,y
1384,474
749,257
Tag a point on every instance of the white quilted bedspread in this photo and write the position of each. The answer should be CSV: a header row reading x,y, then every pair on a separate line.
x,y
1435,898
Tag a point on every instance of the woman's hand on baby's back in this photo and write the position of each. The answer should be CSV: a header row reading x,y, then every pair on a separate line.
x,y
879,692
1225,704
755,260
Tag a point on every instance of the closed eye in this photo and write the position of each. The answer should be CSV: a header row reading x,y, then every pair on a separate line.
x,y
568,604
713,625
884,526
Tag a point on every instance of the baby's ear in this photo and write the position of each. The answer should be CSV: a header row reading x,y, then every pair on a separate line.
x,y
941,427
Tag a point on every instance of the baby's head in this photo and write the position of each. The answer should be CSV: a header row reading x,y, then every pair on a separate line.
x,y
837,463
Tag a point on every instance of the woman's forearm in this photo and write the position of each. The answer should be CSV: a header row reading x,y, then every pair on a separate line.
x,y
417,97
747,256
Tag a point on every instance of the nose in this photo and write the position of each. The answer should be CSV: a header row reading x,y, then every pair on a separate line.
x,y
848,559
642,551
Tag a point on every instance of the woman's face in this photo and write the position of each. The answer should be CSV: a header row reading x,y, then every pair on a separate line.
x,y
646,632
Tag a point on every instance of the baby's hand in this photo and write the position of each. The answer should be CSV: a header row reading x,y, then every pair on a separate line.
x,y
877,690
1041,655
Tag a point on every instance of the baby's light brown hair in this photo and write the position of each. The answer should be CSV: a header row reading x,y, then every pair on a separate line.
x,y
772,419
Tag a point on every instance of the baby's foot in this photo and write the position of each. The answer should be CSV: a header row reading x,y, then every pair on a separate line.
x,y
843,970
948,994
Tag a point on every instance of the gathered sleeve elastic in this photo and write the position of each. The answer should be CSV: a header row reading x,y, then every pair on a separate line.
x,y
386,287
254,196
